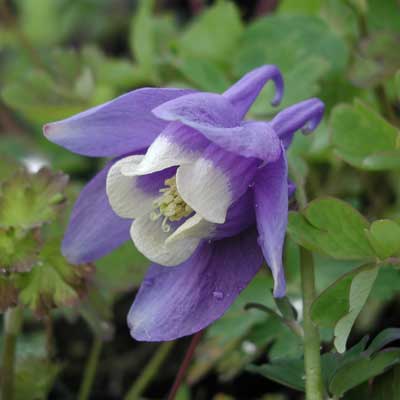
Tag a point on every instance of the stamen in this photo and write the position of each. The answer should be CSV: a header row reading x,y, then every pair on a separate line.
x,y
164,226
154,216
170,205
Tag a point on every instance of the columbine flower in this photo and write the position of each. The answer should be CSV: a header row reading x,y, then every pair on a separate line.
x,y
201,192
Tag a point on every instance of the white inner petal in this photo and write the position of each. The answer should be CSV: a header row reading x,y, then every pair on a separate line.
x,y
125,197
194,227
205,188
163,153
151,240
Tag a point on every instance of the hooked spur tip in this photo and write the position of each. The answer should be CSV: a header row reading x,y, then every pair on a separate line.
x,y
279,89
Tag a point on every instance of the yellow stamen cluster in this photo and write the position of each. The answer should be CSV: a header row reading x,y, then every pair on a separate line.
x,y
170,205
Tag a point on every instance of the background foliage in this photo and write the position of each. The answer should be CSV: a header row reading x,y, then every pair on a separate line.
x,y
58,57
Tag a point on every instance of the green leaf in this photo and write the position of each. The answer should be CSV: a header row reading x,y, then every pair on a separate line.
x,y
331,362
339,305
214,34
334,302
385,337
384,236
8,166
112,72
40,99
307,7
142,36
333,227
29,200
121,270
52,282
359,132
360,370
288,372
18,249
289,40
35,378
204,74
387,284
32,13
397,83
376,61
360,289
384,15
384,160
387,386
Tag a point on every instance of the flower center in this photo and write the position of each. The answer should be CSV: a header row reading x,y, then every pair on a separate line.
x,y
170,205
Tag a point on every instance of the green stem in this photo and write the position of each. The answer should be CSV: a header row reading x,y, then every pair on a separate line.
x,y
312,358
152,368
90,369
12,327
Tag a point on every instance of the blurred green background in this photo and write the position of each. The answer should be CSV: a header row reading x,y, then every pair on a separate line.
x,y
59,57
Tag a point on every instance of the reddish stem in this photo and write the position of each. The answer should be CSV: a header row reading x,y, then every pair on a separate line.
x,y
185,364
265,7
196,6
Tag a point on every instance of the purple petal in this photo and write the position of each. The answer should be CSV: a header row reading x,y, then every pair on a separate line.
x,y
240,216
271,204
216,119
178,301
243,93
94,229
204,109
305,115
117,127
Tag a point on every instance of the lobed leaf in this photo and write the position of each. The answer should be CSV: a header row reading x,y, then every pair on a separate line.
x,y
359,132
354,373
333,227
214,34
18,249
384,236
52,282
30,200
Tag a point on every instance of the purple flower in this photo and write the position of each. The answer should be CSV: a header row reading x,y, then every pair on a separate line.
x,y
201,192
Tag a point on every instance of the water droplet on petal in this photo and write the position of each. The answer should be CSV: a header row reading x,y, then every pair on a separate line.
x,y
148,282
218,295
251,184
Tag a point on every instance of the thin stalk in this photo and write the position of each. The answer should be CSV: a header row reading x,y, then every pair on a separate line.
x,y
312,357
90,369
185,364
152,368
12,327
384,103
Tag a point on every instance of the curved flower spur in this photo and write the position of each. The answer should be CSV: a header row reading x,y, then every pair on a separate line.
x,y
201,192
